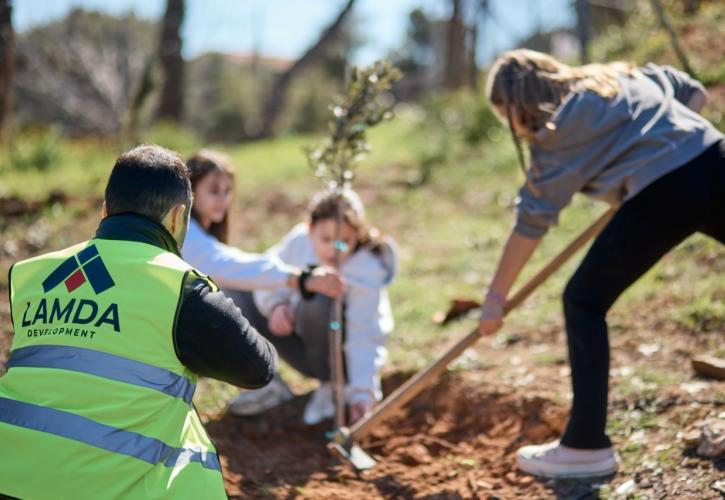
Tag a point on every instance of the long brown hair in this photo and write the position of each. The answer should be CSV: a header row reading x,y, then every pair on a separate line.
x,y
328,204
531,85
202,164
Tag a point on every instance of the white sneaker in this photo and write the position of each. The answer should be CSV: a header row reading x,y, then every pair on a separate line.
x,y
558,461
320,405
257,401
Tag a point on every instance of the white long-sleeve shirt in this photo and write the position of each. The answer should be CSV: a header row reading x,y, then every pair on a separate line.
x,y
230,267
368,315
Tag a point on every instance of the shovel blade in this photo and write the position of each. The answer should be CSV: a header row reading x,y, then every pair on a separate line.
x,y
353,454
458,308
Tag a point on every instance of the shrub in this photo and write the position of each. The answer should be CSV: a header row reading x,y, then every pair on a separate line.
x,y
35,149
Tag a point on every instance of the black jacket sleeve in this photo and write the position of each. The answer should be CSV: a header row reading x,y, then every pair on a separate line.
x,y
214,340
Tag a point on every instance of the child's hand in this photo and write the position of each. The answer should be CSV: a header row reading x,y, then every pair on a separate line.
x,y
327,281
281,321
358,410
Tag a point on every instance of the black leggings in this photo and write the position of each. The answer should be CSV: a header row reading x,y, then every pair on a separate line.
x,y
688,200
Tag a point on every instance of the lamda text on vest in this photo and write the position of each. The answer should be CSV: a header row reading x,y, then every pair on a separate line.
x,y
75,311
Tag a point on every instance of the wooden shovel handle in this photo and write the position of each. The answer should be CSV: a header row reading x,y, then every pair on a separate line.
x,y
413,386
555,263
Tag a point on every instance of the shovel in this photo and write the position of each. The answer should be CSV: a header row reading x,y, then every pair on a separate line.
x,y
344,439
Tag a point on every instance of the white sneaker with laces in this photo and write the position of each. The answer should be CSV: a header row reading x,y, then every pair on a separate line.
x,y
554,460
320,405
257,401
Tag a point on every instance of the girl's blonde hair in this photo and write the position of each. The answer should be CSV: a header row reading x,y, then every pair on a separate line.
x,y
531,85
201,164
328,204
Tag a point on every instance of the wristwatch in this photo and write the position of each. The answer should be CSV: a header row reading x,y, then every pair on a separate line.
x,y
304,275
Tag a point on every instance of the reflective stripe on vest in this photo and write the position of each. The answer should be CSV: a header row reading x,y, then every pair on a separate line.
x,y
103,365
90,432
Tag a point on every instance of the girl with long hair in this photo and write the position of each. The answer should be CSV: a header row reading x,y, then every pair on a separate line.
x,y
633,138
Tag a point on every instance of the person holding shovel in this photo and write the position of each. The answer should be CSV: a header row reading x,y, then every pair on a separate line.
x,y
633,138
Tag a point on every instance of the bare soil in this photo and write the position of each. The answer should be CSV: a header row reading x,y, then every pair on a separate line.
x,y
458,439
453,441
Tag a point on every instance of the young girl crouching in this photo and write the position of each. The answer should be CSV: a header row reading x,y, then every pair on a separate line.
x,y
298,324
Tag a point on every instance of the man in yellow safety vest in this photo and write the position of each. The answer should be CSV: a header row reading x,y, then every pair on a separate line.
x,y
110,336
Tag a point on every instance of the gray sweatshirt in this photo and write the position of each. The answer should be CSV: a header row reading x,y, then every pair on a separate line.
x,y
611,149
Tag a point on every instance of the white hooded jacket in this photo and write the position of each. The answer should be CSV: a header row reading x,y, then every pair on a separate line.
x,y
230,267
368,316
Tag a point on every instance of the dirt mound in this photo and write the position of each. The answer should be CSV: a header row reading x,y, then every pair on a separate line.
x,y
454,441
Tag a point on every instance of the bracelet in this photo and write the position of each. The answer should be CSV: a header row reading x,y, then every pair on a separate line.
x,y
496,297
304,275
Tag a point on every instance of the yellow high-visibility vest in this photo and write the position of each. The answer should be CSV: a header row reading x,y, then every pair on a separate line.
x,y
95,403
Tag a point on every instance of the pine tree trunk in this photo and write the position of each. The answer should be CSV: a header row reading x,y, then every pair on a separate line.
x,y
472,64
7,57
172,94
583,29
455,65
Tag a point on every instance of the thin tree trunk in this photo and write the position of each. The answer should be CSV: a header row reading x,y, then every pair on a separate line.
x,y
275,101
172,94
583,29
456,49
472,64
664,21
141,93
7,58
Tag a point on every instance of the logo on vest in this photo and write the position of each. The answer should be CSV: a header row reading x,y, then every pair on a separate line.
x,y
86,265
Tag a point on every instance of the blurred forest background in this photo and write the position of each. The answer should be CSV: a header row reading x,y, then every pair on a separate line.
x,y
95,74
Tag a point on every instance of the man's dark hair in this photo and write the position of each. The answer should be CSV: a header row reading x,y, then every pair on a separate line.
x,y
148,180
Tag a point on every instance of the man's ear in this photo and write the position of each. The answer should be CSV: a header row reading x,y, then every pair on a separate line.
x,y
177,213
176,222
104,211
182,216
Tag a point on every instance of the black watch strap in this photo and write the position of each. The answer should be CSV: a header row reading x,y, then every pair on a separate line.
x,y
304,275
